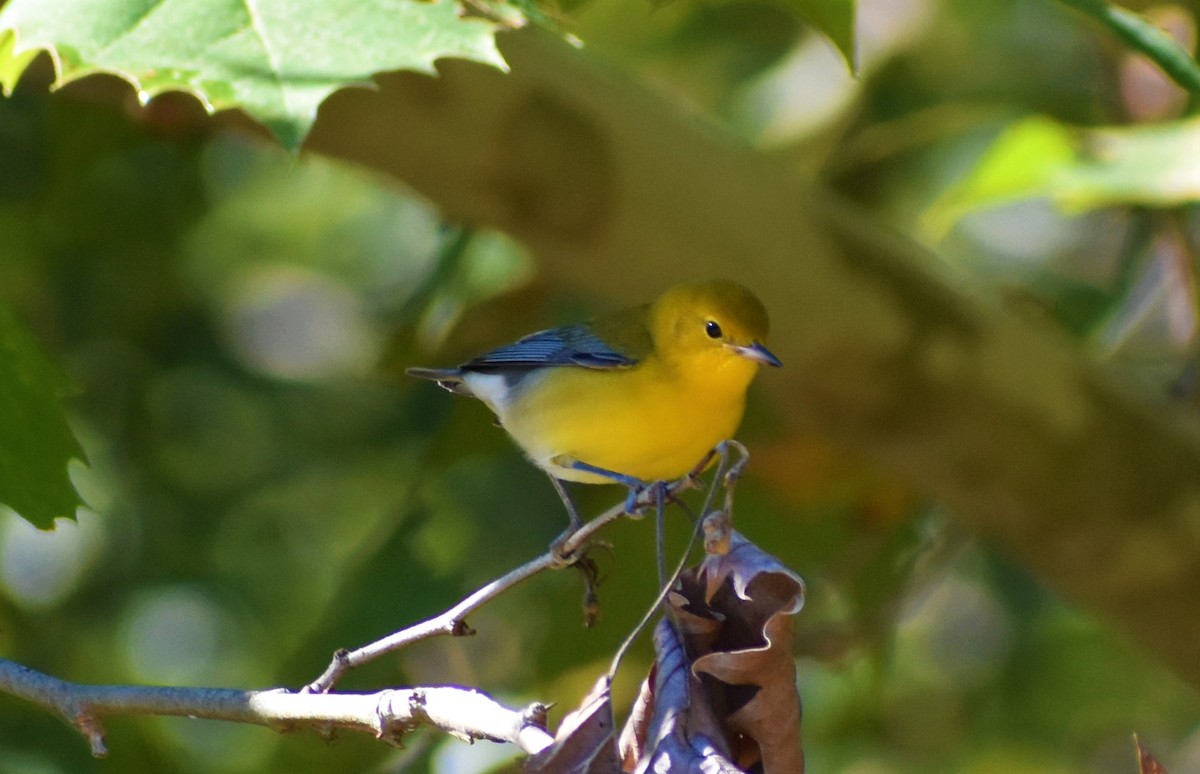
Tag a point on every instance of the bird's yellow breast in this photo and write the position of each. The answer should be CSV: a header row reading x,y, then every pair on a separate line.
x,y
651,421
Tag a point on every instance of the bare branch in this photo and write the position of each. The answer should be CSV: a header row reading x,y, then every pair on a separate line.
x,y
453,622
463,712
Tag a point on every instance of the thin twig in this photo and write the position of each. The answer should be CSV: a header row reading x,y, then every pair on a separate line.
x,y
453,621
665,589
726,476
660,539
466,713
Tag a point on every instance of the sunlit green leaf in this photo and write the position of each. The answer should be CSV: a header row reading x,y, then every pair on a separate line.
x,y
1078,169
277,59
35,441
12,64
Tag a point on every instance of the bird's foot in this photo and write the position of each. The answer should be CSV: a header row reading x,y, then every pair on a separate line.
x,y
560,556
644,496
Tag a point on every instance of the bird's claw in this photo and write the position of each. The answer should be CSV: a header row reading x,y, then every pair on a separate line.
x,y
559,556
645,496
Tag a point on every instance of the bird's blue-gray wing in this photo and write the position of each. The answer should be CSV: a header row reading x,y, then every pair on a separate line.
x,y
569,345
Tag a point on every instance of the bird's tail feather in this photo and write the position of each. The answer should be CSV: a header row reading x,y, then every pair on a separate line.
x,y
447,378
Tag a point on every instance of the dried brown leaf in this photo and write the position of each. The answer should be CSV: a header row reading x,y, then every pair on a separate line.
x,y
732,611
699,629
682,734
1147,763
744,562
722,693
632,743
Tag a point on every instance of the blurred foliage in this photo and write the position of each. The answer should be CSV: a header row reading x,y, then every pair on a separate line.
x,y
263,487
36,444
833,17
1036,158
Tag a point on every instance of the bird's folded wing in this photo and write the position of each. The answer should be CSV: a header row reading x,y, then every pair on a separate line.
x,y
569,345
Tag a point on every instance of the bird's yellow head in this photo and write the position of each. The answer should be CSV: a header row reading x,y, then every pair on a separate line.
x,y
717,327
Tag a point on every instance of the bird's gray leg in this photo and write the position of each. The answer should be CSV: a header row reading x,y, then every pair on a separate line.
x,y
572,511
556,547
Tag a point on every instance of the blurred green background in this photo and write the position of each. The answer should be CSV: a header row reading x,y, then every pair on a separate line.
x,y
264,486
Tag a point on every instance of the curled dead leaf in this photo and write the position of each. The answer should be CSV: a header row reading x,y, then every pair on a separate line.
x,y
675,729
723,690
721,696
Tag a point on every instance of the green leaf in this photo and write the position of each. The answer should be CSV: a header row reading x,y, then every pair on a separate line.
x,y
834,18
1078,169
1140,34
276,59
12,64
35,441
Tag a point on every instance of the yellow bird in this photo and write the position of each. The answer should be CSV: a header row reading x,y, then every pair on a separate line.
x,y
637,396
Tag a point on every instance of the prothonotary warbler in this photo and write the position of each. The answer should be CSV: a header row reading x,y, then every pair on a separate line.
x,y
636,396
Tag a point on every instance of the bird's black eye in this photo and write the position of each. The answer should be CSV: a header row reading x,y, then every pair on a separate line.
x,y
712,329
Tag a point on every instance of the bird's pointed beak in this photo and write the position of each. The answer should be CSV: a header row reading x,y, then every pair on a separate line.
x,y
757,352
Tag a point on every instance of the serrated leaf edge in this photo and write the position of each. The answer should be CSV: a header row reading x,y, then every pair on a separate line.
x,y
65,74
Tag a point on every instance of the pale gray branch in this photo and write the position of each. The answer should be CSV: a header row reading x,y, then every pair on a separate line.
x,y
463,712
